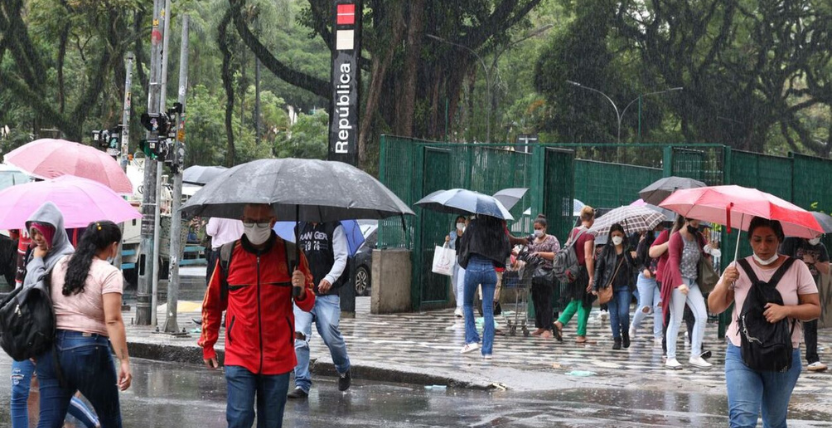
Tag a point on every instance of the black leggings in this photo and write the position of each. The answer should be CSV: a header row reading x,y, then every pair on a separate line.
x,y
542,300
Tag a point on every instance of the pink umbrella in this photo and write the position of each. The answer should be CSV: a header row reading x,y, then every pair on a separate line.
x,y
47,158
81,201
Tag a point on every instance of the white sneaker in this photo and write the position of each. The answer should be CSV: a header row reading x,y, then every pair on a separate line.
x,y
632,332
471,347
487,357
672,363
458,312
699,362
817,366
658,340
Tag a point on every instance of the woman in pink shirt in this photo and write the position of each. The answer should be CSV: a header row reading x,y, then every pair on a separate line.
x,y
86,295
749,390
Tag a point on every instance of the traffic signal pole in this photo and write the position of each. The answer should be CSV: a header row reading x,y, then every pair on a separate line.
x,y
147,255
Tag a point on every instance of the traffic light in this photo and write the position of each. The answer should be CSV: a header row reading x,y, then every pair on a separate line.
x,y
158,123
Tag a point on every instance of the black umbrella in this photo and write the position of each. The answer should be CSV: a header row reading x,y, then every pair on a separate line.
x,y
659,191
509,197
201,175
824,220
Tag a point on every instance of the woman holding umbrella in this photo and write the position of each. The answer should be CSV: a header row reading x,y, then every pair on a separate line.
x,y
751,390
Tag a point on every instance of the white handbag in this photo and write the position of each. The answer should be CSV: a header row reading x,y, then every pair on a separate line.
x,y
443,260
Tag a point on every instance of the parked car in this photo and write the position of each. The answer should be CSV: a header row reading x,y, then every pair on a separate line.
x,y
362,261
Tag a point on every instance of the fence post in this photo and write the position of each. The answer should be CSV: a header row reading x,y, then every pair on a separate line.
x,y
667,161
725,317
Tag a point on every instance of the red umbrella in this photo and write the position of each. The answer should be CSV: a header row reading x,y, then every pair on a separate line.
x,y
47,158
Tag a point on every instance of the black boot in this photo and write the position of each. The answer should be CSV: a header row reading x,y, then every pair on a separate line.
x,y
617,345
625,336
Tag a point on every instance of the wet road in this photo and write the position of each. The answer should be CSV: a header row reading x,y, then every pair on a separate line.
x,y
175,395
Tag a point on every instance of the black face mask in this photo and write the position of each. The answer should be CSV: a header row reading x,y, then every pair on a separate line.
x,y
692,230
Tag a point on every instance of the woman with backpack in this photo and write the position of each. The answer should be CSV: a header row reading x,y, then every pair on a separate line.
x,y
86,294
580,290
615,268
756,380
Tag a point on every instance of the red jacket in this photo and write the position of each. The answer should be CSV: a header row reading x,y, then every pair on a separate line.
x,y
671,274
260,325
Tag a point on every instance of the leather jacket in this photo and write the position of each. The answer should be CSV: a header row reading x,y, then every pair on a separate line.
x,y
606,264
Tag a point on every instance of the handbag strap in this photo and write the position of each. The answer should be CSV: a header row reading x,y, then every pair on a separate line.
x,y
616,270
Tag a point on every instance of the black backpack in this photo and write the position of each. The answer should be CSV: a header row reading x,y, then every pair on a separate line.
x,y
765,346
227,251
27,322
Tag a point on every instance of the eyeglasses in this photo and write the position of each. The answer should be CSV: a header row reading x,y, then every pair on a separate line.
x,y
256,224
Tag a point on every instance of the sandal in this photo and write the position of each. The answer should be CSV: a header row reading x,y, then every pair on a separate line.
x,y
558,333
581,339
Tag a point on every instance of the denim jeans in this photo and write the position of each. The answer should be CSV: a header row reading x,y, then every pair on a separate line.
x,y
270,390
696,302
460,287
87,366
750,391
326,314
21,382
810,335
649,299
619,307
480,271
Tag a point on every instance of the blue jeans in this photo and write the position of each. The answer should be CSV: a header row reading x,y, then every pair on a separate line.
x,y
749,391
22,372
326,314
649,299
480,271
270,390
619,307
87,366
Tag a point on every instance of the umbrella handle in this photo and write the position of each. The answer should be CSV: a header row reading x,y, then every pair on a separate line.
x,y
296,290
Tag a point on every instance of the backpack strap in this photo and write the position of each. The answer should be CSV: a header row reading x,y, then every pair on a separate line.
x,y
781,271
743,263
581,231
226,252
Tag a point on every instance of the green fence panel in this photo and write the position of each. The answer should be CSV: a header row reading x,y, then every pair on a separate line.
x,y
812,183
610,185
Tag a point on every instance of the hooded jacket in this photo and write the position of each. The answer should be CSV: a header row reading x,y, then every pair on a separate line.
x,y
37,267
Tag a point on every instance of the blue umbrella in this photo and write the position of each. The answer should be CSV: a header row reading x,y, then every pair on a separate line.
x,y
461,201
286,230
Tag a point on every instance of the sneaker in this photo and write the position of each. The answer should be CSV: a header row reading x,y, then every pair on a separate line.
x,y
458,313
470,347
604,315
632,332
817,366
625,340
658,340
699,362
706,355
616,345
487,357
672,363
344,381
298,393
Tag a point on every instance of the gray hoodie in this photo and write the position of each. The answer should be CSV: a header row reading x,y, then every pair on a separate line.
x,y
39,266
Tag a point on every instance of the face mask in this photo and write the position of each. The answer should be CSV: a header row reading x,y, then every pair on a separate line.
x,y
766,262
460,226
617,240
538,233
257,233
814,241
692,230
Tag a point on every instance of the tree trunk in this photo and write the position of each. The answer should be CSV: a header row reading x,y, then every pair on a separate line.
x,y
407,99
228,84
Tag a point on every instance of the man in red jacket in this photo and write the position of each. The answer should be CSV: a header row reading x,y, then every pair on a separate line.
x,y
259,338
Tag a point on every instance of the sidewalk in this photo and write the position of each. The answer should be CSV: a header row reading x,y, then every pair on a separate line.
x,y
423,348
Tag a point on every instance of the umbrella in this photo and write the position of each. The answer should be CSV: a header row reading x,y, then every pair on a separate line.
x,y
668,215
201,175
80,200
509,197
633,219
11,176
297,190
47,158
661,189
461,201
824,220
577,206
721,204
286,230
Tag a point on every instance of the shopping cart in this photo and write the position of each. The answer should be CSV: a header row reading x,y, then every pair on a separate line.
x,y
518,276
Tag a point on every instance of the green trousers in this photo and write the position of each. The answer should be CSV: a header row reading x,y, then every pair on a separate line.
x,y
583,315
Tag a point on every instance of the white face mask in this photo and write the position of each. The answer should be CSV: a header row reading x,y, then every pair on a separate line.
x,y
814,241
617,240
766,262
257,233
538,233
460,226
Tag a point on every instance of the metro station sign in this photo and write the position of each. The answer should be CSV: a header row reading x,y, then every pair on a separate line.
x,y
346,82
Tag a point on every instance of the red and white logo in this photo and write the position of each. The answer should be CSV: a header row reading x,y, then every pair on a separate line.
x,y
345,39
346,14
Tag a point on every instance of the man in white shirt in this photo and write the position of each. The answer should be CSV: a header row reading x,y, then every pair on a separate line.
x,y
221,231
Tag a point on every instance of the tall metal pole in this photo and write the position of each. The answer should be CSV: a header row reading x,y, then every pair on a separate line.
x,y
171,325
147,258
157,212
125,116
257,100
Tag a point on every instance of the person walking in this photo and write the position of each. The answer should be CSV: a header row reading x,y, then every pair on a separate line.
x,y
679,287
545,247
325,247
221,231
86,294
814,254
649,294
614,268
484,245
256,292
456,285
752,392
580,290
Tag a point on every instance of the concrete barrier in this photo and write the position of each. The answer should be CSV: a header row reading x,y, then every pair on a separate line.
x,y
391,278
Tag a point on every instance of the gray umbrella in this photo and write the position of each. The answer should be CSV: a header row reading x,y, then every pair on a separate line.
x,y
462,201
824,220
297,190
659,191
509,197
201,175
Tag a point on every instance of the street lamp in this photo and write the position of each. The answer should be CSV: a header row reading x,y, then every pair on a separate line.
x,y
620,115
487,81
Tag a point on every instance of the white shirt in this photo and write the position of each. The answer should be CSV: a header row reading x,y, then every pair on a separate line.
x,y
223,231
340,251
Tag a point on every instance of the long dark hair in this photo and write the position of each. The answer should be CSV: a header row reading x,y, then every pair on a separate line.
x,y
616,228
98,236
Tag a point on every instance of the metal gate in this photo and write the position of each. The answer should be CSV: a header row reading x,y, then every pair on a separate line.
x,y
431,289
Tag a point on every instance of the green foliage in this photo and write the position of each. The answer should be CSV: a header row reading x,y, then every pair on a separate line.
x,y
307,139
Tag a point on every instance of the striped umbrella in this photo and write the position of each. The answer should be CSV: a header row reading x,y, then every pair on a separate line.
x,y
633,219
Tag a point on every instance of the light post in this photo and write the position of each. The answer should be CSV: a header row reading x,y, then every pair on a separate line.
x,y
487,81
620,115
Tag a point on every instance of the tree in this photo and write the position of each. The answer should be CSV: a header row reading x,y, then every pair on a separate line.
x,y
306,139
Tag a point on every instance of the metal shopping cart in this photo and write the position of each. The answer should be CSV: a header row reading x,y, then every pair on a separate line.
x,y
518,276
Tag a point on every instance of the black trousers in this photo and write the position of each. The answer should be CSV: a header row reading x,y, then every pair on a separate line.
x,y
542,300
810,335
